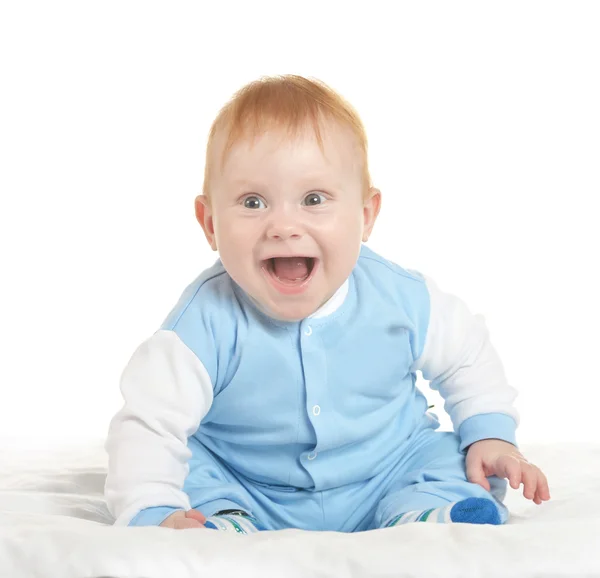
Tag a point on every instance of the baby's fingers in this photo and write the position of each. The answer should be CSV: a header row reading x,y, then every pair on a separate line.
x,y
184,523
196,515
530,481
543,491
512,470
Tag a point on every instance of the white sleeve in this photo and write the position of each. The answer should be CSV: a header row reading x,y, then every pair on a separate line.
x,y
167,392
461,363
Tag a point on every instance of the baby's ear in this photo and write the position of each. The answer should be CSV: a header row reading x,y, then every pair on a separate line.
x,y
205,218
370,211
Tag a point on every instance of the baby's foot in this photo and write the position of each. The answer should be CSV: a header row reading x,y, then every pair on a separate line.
x,y
469,511
237,521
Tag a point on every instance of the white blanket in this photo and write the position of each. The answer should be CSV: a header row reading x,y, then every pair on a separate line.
x,y
54,522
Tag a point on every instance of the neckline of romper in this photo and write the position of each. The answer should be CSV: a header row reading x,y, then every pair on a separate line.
x,y
331,309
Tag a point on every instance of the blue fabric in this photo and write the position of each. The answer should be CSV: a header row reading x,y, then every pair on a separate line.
x,y
269,375
468,511
152,516
313,414
475,511
487,426
429,474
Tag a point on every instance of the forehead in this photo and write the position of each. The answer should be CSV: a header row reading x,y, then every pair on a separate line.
x,y
277,147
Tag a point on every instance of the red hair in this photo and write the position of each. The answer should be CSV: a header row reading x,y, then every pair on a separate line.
x,y
286,102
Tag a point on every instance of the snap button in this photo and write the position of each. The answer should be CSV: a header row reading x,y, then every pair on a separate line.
x,y
316,410
308,330
312,455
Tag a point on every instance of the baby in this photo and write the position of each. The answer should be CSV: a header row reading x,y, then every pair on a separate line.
x,y
280,390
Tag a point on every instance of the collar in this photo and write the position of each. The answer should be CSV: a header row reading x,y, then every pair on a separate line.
x,y
334,302
329,307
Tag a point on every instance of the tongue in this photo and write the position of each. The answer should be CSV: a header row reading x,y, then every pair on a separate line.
x,y
290,268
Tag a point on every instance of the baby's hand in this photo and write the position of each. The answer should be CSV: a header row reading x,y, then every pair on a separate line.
x,y
494,457
180,520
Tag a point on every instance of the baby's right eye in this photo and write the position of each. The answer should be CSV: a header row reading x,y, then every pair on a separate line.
x,y
253,202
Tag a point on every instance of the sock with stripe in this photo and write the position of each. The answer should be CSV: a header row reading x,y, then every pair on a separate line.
x,y
469,511
237,521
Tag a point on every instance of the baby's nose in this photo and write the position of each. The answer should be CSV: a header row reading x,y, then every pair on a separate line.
x,y
283,230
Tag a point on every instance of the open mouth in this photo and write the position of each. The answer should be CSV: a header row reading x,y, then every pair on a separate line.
x,y
290,272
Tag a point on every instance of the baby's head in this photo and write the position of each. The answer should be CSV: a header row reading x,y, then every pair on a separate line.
x,y
287,198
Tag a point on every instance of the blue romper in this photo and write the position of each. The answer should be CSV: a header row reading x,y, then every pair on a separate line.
x,y
314,424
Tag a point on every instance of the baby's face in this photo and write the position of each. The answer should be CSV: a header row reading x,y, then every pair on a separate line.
x,y
287,221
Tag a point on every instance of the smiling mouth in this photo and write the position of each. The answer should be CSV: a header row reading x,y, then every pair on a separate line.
x,y
292,271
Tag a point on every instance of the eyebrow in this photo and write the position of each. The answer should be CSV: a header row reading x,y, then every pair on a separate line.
x,y
315,179
246,184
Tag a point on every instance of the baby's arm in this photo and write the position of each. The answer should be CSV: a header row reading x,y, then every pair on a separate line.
x,y
460,362
167,392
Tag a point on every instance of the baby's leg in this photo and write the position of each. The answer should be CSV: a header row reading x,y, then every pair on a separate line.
x,y
214,490
433,487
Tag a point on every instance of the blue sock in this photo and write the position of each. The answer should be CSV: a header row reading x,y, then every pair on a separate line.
x,y
475,511
469,511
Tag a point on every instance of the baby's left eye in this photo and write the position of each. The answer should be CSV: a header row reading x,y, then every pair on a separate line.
x,y
314,199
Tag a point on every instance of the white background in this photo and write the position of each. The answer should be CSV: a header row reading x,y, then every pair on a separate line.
x,y
484,129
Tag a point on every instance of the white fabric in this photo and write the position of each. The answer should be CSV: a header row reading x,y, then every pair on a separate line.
x,y
333,304
460,362
167,392
54,522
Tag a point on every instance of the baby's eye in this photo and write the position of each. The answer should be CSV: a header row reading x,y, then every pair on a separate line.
x,y
253,202
313,199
